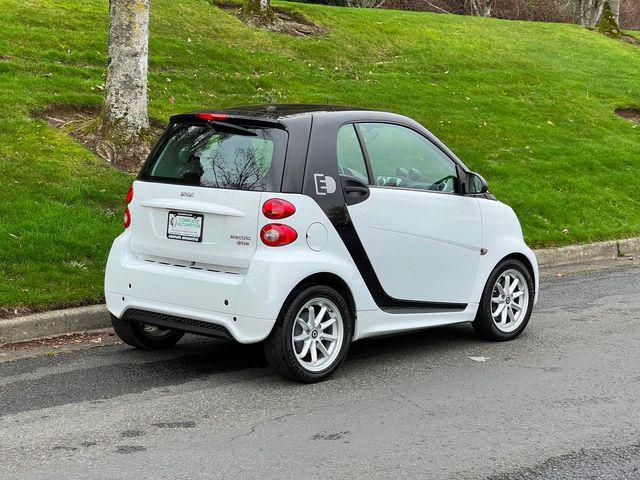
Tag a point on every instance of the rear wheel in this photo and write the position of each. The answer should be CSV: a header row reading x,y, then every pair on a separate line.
x,y
312,335
507,302
145,337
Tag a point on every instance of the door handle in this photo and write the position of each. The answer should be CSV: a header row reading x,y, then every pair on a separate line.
x,y
355,191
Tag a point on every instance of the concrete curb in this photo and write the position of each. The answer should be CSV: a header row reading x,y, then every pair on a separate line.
x,y
629,247
549,257
94,317
54,323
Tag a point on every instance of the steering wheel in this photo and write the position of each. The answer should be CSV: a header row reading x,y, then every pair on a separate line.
x,y
440,185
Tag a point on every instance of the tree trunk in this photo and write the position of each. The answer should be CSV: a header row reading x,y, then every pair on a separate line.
x,y
590,11
124,115
615,9
481,8
259,9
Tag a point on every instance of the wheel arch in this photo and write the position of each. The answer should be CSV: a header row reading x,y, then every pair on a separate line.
x,y
522,258
331,280
486,267
531,265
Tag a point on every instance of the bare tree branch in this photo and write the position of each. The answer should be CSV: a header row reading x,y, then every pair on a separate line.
x,y
436,6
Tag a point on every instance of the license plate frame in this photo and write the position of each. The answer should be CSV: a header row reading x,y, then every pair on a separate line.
x,y
185,226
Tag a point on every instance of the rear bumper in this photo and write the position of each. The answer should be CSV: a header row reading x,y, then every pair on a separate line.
x,y
171,321
202,322
203,302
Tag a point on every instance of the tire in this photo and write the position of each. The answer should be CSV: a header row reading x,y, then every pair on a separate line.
x,y
282,350
499,329
137,336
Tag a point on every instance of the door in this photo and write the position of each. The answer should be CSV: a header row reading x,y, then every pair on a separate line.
x,y
422,237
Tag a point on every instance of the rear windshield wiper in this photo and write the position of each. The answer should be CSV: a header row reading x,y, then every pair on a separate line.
x,y
217,125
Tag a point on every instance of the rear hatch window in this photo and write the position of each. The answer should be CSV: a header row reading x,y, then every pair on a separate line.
x,y
219,156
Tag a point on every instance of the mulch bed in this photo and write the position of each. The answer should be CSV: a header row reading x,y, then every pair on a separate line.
x,y
286,21
630,113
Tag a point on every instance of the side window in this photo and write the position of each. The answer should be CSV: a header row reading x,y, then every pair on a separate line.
x,y
350,158
403,158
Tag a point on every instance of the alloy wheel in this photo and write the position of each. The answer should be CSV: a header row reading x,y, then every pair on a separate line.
x,y
509,300
317,334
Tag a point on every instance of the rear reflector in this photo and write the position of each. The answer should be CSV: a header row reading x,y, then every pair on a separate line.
x,y
277,235
212,116
127,213
276,209
130,195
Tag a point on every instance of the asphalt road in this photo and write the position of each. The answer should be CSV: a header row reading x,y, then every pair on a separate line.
x,y
562,401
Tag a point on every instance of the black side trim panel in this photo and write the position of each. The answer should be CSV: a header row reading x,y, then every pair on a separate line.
x,y
322,160
177,323
405,310
299,129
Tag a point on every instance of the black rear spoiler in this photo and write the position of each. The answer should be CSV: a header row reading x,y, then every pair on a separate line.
x,y
223,120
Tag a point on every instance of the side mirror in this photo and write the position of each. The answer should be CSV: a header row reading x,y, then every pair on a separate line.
x,y
476,184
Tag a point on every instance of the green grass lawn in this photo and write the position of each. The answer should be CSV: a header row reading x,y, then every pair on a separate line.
x,y
528,105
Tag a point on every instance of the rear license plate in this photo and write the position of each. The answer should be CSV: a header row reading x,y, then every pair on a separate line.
x,y
185,226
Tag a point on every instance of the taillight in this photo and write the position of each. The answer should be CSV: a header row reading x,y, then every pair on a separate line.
x,y
130,195
127,218
208,117
276,235
276,209
127,213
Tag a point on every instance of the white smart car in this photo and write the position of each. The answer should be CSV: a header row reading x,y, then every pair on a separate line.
x,y
308,227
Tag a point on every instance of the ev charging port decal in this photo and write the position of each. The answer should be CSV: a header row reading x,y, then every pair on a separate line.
x,y
324,184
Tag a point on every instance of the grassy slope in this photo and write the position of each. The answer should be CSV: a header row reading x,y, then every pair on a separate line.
x,y
529,105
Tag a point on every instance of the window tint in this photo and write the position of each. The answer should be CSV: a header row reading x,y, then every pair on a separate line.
x,y
202,156
403,158
350,158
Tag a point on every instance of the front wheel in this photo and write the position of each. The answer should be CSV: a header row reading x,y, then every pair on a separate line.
x,y
507,302
145,337
312,335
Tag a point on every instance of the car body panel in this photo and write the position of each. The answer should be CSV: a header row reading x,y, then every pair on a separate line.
x,y
502,237
256,293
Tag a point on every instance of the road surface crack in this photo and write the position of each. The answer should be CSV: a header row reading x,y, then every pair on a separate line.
x,y
253,427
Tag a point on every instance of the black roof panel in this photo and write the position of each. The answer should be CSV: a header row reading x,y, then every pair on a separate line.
x,y
281,110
